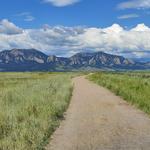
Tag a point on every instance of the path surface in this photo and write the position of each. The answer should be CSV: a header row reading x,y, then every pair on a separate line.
x,y
99,120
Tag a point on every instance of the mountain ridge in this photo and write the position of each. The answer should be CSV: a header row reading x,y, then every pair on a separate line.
x,y
35,60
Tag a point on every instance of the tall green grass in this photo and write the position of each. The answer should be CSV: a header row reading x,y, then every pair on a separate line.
x,y
31,106
134,88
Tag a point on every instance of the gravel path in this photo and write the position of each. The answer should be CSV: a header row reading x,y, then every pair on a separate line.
x,y
99,120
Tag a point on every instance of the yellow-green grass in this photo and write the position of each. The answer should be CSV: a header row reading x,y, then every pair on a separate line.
x,y
133,87
31,107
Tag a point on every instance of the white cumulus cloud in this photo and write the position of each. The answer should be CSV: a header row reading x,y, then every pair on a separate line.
x,y
128,16
9,27
137,4
65,41
26,16
61,3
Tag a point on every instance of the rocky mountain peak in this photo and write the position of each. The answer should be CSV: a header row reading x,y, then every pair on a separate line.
x,y
32,59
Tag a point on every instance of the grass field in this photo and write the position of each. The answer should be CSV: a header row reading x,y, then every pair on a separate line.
x,y
133,87
31,106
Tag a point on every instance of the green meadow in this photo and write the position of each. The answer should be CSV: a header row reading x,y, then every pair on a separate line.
x,y
31,107
134,87
32,104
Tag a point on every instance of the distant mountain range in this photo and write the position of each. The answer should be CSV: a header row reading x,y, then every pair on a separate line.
x,y
34,60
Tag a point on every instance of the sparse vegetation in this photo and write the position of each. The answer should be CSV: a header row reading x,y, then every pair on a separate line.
x,y
133,87
31,106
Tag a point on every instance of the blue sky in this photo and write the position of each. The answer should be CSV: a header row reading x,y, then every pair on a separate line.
x,y
65,27
97,13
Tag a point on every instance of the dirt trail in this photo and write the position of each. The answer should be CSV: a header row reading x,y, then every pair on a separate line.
x,y
99,120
